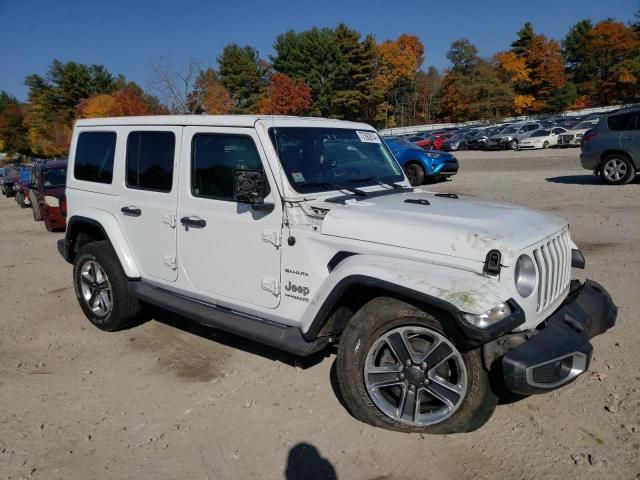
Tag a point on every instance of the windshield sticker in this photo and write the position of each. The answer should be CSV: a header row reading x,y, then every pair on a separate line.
x,y
297,177
368,137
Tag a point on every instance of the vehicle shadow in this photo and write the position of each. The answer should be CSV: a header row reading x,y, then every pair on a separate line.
x,y
305,463
576,180
235,341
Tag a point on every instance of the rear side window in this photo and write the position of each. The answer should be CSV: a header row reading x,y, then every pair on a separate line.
x,y
94,157
150,160
622,122
214,160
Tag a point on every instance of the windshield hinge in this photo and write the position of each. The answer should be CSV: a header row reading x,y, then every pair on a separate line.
x,y
271,236
272,285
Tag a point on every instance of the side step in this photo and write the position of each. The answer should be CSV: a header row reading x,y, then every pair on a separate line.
x,y
283,337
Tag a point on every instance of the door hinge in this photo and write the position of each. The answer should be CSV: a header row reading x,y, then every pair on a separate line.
x,y
272,285
271,236
171,262
170,219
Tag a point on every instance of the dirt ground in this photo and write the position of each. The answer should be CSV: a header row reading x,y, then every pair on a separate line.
x,y
175,400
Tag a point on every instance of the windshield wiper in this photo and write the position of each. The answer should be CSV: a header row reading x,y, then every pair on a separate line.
x,y
395,186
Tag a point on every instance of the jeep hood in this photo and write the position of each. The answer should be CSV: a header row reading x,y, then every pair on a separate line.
x,y
459,227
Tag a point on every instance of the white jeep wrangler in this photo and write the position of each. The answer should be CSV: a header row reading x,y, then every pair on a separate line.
x,y
304,232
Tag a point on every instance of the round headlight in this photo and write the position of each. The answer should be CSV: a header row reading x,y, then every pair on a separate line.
x,y
525,276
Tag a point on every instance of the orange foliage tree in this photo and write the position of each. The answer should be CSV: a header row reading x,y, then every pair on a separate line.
x,y
287,96
129,101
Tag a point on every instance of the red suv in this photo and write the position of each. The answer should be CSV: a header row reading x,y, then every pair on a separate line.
x,y
46,192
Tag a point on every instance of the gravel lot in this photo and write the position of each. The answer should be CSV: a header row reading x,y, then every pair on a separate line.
x,y
192,403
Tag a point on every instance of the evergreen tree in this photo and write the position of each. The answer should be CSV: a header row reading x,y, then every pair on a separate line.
x,y
243,74
523,43
572,44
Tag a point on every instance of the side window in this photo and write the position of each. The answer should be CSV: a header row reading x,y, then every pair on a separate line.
x,y
214,160
621,122
150,160
94,157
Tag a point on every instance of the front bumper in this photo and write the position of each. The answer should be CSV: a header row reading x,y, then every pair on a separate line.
x,y
561,351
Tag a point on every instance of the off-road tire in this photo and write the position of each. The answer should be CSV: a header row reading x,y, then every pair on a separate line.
x,y
20,200
415,174
381,315
623,159
126,311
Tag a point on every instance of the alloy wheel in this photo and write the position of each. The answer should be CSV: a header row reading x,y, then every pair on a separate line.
x,y
416,376
615,169
96,289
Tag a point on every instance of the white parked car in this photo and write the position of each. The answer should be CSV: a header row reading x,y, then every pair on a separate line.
x,y
304,232
542,138
573,137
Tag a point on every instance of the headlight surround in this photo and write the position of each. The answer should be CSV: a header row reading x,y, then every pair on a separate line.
x,y
525,276
433,155
490,317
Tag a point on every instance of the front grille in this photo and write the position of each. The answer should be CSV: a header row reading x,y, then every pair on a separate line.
x,y
566,138
553,259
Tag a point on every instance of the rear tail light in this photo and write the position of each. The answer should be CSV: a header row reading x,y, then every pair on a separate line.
x,y
589,135
63,206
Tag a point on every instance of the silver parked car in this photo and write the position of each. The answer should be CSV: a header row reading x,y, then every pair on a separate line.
x,y
612,147
511,136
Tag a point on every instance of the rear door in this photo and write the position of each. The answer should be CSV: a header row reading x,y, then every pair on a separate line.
x,y
630,139
147,201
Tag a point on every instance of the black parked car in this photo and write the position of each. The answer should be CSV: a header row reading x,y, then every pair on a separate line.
x,y
9,179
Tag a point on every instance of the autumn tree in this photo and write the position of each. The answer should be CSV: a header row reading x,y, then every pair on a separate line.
x,y
53,100
286,96
610,70
209,95
243,74
472,88
399,62
14,135
131,100
427,88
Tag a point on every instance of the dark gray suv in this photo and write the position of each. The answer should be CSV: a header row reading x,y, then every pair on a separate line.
x,y
612,147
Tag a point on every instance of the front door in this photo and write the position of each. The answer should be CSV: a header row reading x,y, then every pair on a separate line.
x,y
148,197
228,250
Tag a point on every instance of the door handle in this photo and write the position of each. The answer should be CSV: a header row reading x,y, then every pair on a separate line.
x,y
194,222
131,211
627,138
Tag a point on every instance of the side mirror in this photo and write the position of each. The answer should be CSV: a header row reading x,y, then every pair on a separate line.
x,y
249,187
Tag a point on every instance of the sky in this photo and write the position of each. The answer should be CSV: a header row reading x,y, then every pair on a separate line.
x,y
129,37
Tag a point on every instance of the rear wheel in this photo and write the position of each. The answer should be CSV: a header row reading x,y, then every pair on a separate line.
x,y
513,144
101,287
398,370
35,210
415,174
617,169
545,145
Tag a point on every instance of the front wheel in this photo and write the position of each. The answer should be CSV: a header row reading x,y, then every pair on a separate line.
x,y
397,369
545,145
617,170
415,174
101,287
513,144
20,200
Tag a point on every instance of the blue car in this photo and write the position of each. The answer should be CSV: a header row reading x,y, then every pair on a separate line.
x,y
420,164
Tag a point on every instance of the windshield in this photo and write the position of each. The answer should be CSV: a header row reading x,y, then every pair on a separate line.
x,y
322,159
541,133
11,172
510,130
54,177
584,125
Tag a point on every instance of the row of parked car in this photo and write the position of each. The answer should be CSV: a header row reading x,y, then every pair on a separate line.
x,y
541,133
41,187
